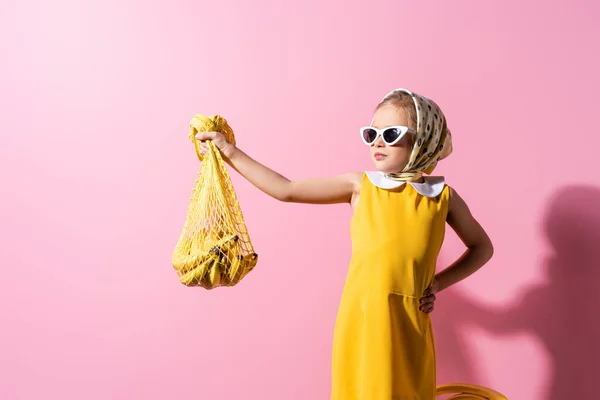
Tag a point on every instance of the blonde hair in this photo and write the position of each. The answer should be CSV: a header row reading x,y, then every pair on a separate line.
x,y
402,101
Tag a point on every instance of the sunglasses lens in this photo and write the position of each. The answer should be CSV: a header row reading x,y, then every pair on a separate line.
x,y
391,134
369,135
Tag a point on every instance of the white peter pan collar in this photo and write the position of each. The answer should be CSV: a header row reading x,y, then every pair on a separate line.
x,y
432,187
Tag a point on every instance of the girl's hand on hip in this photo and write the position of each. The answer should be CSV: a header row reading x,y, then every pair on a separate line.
x,y
428,299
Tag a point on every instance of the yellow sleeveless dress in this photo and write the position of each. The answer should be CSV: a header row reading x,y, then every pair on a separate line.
x,y
383,344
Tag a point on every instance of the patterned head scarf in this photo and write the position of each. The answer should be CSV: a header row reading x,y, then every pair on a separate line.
x,y
433,140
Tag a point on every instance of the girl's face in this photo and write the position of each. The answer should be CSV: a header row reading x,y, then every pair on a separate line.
x,y
391,159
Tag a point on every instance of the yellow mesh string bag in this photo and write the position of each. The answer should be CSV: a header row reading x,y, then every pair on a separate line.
x,y
214,247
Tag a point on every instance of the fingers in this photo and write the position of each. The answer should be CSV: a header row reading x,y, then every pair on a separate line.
x,y
427,303
204,148
428,299
427,308
202,136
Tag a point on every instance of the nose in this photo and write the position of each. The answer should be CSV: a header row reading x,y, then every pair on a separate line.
x,y
378,142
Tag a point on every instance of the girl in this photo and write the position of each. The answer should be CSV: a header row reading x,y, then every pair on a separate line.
x,y
383,342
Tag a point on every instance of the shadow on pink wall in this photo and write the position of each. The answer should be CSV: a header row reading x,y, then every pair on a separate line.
x,y
562,313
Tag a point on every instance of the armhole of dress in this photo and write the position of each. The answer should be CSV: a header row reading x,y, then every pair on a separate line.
x,y
363,183
446,198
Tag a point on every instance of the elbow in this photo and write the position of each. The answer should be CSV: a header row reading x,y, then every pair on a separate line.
x,y
490,253
286,194
487,251
484,251
285,197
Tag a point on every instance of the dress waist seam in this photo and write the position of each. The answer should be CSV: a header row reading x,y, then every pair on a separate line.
x,y
404,294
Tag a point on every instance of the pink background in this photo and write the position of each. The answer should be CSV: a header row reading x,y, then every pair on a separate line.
x,y
96,171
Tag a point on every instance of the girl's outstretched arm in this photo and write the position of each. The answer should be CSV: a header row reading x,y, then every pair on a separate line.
x,y
479,246
337,189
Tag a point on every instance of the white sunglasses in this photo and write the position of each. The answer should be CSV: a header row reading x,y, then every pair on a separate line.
x,y
390,135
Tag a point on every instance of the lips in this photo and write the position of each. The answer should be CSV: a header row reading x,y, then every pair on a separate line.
x,y
379,156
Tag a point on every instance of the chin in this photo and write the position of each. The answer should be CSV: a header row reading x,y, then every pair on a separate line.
x,y
385,167
381,167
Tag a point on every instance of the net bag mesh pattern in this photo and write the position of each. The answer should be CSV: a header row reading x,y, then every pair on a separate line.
x,y
214,248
